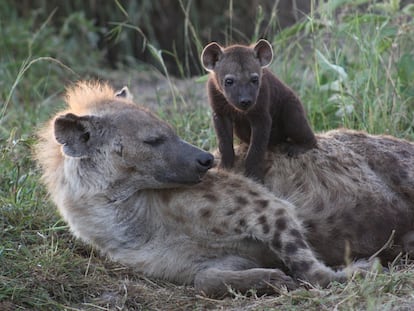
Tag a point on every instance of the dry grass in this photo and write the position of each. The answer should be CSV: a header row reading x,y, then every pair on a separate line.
x,y
60,273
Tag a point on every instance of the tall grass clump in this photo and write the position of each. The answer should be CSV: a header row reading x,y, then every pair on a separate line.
x,y
353,67
38,261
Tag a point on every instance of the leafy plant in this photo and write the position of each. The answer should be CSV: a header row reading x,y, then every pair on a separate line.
x,y
352,70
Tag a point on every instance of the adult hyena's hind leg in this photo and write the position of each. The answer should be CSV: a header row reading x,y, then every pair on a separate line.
x,y
277,226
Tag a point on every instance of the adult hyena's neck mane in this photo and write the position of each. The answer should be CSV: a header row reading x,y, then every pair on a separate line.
x,y
85,97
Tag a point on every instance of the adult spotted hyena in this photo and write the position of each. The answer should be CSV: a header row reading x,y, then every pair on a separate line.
x,y
126,183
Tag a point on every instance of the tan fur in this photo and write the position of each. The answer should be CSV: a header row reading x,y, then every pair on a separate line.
x,y
126,184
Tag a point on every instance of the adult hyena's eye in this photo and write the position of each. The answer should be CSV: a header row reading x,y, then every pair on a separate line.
x,y
154,141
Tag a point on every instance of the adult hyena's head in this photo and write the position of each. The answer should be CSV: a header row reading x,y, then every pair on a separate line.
x,y
109,142
238,70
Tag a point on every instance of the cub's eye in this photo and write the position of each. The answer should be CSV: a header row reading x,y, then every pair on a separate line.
x,y
254,79
228,81
154,141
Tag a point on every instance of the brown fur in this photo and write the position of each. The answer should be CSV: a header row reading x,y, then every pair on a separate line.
x,y
126,184
248,98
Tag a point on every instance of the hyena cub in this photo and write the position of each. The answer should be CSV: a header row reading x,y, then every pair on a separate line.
x,y
247,97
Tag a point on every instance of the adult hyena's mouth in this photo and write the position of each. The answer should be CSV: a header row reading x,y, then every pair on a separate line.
x,y
188,173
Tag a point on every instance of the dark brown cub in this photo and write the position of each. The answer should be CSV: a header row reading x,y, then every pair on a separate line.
x,y
250,101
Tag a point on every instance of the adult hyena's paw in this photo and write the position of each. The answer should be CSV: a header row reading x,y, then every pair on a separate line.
x,y
359,268
363,267
324,275
257,176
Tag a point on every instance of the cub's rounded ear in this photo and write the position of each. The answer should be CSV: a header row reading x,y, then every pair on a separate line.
x,y
210,55
264,52
74,133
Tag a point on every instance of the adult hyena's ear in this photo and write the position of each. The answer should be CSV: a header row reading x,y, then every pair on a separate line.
x,y
210,55
76,134
264,52
124,93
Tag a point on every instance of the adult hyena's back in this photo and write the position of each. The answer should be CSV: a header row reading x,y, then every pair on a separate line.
x,y
391,158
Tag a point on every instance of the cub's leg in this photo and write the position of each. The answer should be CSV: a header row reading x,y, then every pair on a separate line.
x,y
259,140
224,131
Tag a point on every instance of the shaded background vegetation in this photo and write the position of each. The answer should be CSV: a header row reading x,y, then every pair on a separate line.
x,y
351,62
179,27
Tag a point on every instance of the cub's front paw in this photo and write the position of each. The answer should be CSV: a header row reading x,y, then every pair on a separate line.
x,y
256,175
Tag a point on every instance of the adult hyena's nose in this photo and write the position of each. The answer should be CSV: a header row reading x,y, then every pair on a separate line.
x,y
205,162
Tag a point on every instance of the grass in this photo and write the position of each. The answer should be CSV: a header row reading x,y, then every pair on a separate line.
x,y
351,68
